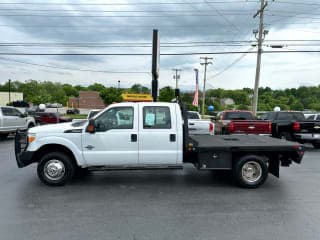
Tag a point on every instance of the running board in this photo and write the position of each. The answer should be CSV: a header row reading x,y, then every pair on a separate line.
x,y
138,167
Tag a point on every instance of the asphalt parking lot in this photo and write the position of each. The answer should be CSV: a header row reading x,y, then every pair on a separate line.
x,y
159,204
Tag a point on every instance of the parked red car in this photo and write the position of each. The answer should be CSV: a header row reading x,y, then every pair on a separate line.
x,y
50,117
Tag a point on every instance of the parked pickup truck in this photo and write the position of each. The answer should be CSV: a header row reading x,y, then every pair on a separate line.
x,y
197,125
147,136
50,117
241,122
293,126
12,119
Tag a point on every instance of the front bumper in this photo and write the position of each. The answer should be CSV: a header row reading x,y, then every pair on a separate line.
x,y
23,157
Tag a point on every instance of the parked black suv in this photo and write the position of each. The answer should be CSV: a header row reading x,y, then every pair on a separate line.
x,y
293,126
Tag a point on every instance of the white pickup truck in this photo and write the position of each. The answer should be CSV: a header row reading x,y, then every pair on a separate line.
x,y
197,125
12,119
132,136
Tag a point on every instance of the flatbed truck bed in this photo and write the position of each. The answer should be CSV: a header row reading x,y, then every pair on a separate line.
x,y
224,152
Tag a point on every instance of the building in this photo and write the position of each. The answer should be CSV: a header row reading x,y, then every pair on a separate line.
x,y
226,101
13,96
86,99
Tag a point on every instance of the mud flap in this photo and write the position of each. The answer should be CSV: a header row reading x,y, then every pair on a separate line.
x,y
274,165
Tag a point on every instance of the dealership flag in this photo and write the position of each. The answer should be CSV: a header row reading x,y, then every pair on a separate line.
x,y
196,94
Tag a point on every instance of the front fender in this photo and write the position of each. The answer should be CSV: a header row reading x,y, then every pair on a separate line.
x,y
74,146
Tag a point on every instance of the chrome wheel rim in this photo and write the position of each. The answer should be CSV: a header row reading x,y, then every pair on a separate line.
x,y
251,172
54,170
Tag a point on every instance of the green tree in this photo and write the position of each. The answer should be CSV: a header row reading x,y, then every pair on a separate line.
x,y
166,94
96,87
110,95
70,90
138,88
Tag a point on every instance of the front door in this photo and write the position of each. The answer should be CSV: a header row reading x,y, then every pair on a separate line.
x,y
12,118
158,143
115,141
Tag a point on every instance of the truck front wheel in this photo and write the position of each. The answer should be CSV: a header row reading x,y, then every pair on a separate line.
x,y
55,169
250,171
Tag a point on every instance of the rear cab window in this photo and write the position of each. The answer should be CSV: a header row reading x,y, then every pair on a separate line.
x,y
291,116
156,117
238,116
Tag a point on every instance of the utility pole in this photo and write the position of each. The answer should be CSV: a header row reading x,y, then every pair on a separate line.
x,y
205,63
176,76
118,85
260,36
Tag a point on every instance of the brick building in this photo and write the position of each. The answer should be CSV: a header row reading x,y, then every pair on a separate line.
x,y
86,99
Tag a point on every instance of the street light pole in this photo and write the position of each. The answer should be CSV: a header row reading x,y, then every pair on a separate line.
x,y
205,63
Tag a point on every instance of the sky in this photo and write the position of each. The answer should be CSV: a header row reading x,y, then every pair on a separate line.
x,y
185,26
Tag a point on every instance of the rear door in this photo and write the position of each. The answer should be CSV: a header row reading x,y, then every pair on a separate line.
x,y
158,143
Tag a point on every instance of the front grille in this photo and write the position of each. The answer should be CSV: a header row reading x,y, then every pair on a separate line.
x,y
21,141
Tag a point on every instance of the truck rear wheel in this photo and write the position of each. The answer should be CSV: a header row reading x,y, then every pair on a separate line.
x,y
250,171
55,169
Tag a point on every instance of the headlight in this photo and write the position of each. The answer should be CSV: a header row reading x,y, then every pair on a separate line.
x,y
31,137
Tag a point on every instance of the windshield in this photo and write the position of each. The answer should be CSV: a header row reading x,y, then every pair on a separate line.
x,y
193,115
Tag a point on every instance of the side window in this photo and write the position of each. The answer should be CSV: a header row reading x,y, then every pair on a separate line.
x,y
7,111
311,117
115,118
285,116
16,112
318,118
156,118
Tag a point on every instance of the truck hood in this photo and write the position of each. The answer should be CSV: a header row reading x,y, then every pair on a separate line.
x,y
55,128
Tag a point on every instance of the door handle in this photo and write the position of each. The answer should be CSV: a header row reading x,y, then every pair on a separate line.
x,y
89,147
172,137
191,124
134,137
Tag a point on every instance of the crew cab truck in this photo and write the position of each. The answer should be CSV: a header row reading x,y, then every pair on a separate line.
x,y
147,136
241,122
293,126
12,119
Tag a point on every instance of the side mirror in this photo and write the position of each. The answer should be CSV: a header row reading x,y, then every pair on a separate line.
x,y
91,126
23,115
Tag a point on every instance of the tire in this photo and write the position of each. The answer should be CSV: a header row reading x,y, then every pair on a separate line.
x,y
316,145
31,125
55,169
250,171
285,136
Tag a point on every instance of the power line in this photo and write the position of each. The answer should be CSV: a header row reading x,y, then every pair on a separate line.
x,y
123,4
119,11
71,69
231,65
117,16
148,54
